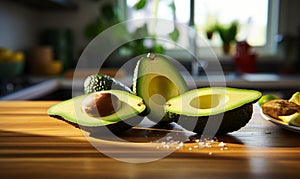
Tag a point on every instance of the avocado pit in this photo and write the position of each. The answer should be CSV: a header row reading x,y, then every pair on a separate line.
x,y
101,104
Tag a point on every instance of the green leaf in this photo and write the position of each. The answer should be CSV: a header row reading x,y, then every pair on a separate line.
x,y
141,32
121,32
172,6
93,29
158,49
174,35
227,33
140,4
108,11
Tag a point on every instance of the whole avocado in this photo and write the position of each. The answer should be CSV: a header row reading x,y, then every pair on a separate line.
x,y
100,82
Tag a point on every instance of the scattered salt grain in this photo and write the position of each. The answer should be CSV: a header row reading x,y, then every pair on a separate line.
x,y
222,144
208,145
166,147
171,143
180,144
169,137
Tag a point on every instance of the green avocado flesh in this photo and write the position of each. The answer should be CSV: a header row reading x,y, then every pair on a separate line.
x,y
71,110
156,80
210,101
232,106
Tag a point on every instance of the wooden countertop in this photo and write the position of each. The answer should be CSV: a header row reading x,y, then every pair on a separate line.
x,y
34,145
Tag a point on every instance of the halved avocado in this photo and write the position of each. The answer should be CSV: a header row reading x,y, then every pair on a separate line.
x,y
125,116
230,107
156,80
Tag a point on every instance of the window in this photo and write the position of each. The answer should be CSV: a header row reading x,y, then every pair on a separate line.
x,y
252,17
257,20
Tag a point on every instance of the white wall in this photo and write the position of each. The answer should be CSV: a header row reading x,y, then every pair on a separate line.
x,y
17,26
20,25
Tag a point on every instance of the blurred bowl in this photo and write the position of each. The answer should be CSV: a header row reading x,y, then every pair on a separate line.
x,y
11,68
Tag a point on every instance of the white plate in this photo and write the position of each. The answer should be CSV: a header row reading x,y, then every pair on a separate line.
x,y
280,123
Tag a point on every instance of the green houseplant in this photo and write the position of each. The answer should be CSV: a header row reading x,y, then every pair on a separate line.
x,y
109,15
227,34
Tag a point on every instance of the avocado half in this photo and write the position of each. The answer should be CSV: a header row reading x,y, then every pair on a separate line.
x,y
230,105
156,80
125,117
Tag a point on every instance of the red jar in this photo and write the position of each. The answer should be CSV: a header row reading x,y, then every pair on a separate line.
x,y
244,58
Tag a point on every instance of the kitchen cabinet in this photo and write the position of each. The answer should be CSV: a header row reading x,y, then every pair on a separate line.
x,y
48,4
24,21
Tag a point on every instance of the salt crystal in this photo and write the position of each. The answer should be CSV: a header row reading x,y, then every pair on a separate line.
x,y
166,146
222,144
208,145
169,137
180,144
201,144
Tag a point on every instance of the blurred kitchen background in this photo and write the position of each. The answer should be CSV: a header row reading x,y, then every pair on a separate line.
x,y
257,42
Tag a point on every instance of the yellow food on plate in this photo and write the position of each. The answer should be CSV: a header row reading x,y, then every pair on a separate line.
x,y
288,118
280,107
295,98
296,120
287,111
293,119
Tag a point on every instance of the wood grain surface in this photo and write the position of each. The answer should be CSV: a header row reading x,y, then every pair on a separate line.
x,y
34,145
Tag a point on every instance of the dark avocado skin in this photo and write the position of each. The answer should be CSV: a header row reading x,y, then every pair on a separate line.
x,y
232,120
114,128
99,82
